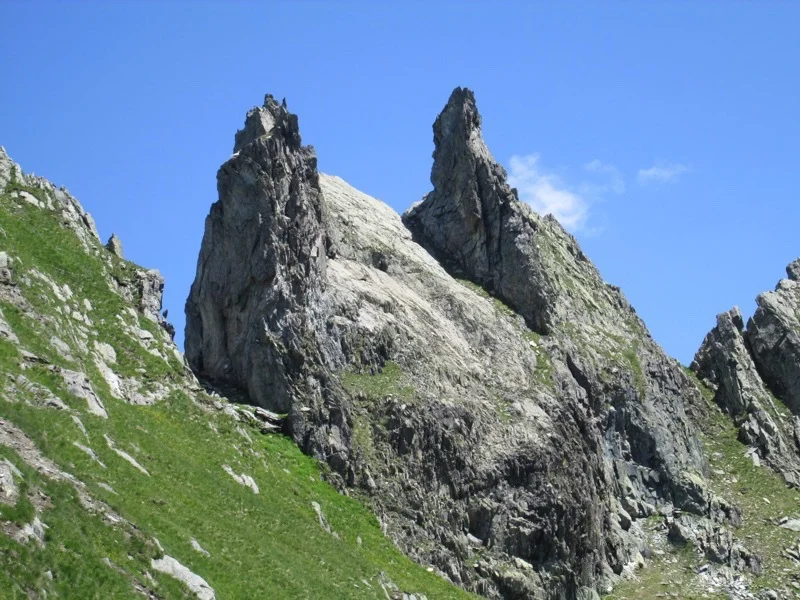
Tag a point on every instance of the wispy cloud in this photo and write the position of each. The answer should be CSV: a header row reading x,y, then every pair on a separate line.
x,y
662,172
569,202
546,193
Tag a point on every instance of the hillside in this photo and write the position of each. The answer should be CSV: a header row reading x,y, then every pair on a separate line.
x,y
120,476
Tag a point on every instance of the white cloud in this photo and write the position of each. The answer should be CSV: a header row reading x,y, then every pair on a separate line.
x,y
662,172
615,183
546,193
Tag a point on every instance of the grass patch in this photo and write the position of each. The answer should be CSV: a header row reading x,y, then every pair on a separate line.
x,y
377,386
737,479
669,575
631,359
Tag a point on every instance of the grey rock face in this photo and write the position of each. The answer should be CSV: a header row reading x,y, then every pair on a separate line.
x,y
261,263
472,221
755,373
774,336
793,270
539,438
150,291
114,245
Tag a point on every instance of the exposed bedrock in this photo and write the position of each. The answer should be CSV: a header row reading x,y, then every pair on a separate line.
x,y
465,369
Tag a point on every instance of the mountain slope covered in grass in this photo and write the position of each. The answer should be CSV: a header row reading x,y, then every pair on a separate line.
x,y
120,476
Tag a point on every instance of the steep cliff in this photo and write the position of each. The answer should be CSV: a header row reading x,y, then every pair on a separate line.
x,y
465,369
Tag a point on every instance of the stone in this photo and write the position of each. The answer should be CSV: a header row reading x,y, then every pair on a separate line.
x,y
114,245
106,352
78,385
198,548
62,348
33,531
125,456
150,286
9,491
6,274
242,479
6,332
196,584
89,452
323,521
791,524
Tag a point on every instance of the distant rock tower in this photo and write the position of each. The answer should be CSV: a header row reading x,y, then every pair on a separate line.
x,y
114,245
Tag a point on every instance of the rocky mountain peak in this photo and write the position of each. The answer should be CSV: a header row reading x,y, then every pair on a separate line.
x,y
754,372
433,361
263,252
471,218
273,118
457,135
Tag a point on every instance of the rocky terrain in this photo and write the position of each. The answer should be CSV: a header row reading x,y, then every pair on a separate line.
x,y
755,374
465,389
120,476
464,370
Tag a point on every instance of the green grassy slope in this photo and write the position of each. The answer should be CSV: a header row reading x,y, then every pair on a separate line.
x,y
265,545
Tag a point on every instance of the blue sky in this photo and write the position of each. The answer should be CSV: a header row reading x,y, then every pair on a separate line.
x,y
664,134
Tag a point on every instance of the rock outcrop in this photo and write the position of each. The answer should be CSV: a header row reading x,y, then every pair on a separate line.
x,y
114,245
755,373
473,223
509,427
43,194
261,263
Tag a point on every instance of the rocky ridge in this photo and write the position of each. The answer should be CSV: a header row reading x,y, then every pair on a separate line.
x,y
754,372
465,369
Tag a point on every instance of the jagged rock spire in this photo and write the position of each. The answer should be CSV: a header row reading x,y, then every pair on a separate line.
x,y
263,252
459,221
749,368
114,245
271,118
472,219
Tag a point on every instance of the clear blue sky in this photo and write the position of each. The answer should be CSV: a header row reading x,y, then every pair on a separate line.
x,y
665,133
